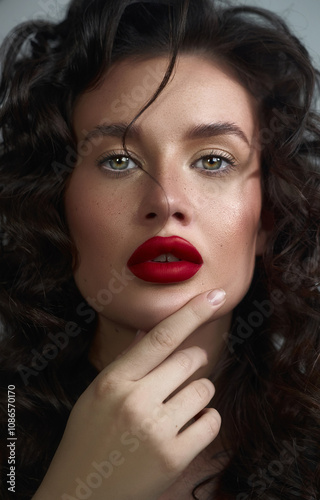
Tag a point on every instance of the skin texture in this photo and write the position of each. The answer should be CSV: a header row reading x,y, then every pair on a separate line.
x,y
132,433
124,439
109,217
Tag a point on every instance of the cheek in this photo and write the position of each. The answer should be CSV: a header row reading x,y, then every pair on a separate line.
x,y
240,226
232,237
98,223
245,212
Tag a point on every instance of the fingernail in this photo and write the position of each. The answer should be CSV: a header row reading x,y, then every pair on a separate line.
x,y
215,297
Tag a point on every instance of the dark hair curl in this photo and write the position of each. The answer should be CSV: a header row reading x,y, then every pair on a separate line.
x,y
268,380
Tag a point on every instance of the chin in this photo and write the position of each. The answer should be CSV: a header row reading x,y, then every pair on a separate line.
x,y
144,313
148,317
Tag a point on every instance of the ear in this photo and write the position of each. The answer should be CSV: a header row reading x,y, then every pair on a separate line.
x,y
266,226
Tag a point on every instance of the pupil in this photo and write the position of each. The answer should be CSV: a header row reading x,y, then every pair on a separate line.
x,y
122,162
213,163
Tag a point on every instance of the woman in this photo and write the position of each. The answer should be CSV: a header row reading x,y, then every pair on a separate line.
x,y
160,255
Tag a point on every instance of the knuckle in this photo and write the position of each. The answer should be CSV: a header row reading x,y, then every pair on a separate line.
x,y
162,338
202,355
130,408
131,413
171,463
202,390
105,385
195,314
183,360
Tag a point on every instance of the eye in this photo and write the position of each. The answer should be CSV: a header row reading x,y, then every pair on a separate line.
x,y
116,163
212,163
215,163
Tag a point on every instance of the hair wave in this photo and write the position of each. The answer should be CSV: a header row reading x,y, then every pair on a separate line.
x,y
268,380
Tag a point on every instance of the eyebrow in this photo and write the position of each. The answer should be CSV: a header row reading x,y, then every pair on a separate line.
x,y
113,130
197,132
216,129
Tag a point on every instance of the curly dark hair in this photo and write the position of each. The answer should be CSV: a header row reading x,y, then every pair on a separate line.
x,y
268,382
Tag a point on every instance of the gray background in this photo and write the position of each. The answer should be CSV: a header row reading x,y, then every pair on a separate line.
x,y
302,15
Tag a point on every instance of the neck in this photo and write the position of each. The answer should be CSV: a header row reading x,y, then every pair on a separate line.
x,y
111,339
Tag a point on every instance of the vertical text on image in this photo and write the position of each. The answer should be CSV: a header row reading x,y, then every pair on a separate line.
x,y
11,444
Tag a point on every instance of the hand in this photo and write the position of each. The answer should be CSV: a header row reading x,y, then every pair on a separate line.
x,y
124,438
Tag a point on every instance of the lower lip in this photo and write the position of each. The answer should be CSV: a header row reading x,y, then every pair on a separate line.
x,y
166,272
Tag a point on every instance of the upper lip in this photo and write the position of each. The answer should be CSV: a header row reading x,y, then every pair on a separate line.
x,y
158,245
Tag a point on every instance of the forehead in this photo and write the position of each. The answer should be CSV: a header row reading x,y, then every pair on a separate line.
x,y
200,91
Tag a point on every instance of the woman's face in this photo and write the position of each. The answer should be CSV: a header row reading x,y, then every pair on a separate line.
x,y
195,141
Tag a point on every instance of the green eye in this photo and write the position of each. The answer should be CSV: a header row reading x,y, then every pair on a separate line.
x,y
215,164
119,163
116,163
212,163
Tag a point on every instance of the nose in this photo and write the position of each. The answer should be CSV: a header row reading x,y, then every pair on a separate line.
x,y
165,199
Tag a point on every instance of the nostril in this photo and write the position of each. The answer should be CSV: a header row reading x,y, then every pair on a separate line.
x,y
151,215
179,216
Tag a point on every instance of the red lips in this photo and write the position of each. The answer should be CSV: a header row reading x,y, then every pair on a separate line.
x,y
141,261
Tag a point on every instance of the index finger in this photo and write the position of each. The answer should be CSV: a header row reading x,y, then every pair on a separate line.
x,y
164,338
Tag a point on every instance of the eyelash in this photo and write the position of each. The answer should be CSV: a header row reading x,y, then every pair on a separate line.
x,y
221,155
112,156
